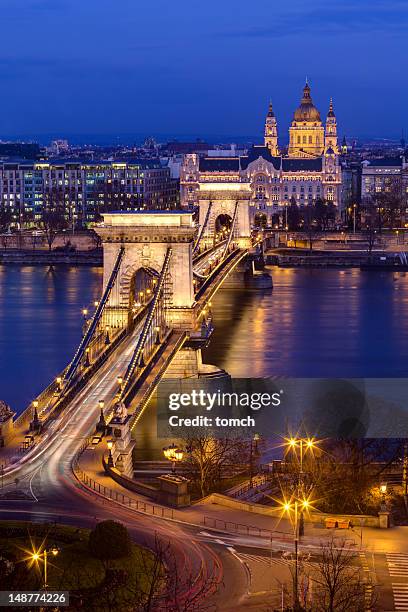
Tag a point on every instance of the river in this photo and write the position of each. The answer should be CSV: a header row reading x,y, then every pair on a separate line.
x,y
315,323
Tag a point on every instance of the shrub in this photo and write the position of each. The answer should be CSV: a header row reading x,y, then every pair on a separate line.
x,y
109,540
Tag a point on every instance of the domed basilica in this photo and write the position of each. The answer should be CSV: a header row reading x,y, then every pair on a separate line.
x,y
307,171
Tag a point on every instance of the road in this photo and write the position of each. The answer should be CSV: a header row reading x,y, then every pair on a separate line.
x,y
246,573
54,494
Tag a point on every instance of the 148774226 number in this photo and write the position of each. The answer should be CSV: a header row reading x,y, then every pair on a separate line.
x,y
34,598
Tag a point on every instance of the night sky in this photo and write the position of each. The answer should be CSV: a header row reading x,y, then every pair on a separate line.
x,y
199,68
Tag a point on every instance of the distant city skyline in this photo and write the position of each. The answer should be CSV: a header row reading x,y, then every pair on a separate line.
x,y
75,68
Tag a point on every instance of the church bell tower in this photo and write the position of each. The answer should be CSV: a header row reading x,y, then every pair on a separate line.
x,y
271,132
330,140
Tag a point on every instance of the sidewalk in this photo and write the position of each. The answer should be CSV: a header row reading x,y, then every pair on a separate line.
x,y
208,515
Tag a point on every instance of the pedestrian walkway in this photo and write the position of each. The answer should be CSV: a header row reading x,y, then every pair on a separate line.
x,y
398,569
397,564
264,560
368,587
400,592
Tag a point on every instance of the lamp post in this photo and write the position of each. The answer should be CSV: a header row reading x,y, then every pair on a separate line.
x,y
303,445
296,507
38,556
383,490
173,454
110,456
255,441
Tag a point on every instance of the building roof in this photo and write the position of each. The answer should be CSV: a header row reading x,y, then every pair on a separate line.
x,y
302,164
219,164
234,164
306,111
142,163
257,151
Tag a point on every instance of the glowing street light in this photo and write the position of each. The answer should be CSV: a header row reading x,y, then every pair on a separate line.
x,y
294,509
303,444
173,454
37,556
109,444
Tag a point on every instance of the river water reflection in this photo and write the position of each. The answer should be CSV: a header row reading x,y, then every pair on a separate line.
x,y
315,323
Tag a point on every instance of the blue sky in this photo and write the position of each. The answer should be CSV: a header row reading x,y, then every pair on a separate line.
x,y
199,68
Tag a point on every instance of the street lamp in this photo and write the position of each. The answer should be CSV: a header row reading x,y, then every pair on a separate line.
x,y
173,454
252,451
110,456
107,338
296,507
157,330
383,490
303,444
37,556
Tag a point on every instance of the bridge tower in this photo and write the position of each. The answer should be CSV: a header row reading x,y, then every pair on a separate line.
x,y
146,237
225,200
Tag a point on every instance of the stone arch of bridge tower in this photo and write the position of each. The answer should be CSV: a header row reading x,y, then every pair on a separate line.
x,y
225,205
128,277
219,209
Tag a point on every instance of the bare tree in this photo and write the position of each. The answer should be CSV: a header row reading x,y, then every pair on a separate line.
x,y
208,459
6,218
337,578
52,222
308,218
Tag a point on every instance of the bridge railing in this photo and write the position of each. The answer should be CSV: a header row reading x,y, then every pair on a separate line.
x,y
114,495
137,357
223,264
93,325
49,399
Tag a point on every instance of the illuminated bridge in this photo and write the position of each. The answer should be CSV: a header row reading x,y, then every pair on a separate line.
x,y
152,319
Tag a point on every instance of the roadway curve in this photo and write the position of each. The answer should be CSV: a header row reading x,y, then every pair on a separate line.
x,y
54,493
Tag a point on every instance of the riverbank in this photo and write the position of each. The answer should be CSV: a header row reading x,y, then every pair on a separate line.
x,y
304,258
30,257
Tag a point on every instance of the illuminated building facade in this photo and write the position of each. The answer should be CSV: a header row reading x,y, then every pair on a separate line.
x,y
82,189
309,171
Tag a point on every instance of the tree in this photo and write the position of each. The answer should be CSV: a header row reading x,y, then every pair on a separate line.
x,y
109,540
308,218
345,476
293,215
6,218
370,224
338,582
321,213
209,458
52,222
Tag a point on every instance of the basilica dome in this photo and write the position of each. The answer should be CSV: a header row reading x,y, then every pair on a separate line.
x,y
307,110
